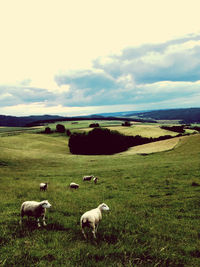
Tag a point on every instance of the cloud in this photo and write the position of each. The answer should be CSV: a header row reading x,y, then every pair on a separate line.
x,y
148,75
176,60
138,75
13,95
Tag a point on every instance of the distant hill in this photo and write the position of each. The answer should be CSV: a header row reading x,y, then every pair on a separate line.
x,y
23,121
185,115
120,114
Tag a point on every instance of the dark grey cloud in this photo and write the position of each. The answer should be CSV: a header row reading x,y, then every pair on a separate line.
x,y
139,75
150,63
13,95
86,79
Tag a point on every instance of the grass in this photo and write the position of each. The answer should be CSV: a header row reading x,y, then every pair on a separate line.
x,y
71,125
154,209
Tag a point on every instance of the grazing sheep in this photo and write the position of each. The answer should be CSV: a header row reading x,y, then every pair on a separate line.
x,y
74,185
35,209
88,177
91,218
95,179
43,186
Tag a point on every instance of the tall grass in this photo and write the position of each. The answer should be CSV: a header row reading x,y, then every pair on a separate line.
x,y
154,209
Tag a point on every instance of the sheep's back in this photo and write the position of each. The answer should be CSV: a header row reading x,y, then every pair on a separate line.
x,y
92,215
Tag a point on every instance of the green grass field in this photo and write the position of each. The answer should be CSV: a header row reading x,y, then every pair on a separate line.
x,y
154,209
144,129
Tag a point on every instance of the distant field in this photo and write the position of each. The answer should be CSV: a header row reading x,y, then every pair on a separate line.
x,y
16,130
142,130
82,124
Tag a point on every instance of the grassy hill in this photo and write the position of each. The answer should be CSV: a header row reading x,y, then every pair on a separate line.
x,y
154,209
185,115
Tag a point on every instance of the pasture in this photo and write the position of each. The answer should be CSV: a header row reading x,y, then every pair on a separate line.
x,y
154,207
142,129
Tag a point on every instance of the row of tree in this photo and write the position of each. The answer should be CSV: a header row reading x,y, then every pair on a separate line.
x,y
59,129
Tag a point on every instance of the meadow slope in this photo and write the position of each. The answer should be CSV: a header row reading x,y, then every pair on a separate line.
x,y
154,207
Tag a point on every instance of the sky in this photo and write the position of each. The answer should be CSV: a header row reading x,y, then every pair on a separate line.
x,y
63,57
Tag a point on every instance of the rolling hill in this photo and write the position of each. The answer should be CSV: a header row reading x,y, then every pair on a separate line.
x,y
184,115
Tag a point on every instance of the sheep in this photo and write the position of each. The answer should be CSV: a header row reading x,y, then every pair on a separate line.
x,y
74,185
34,209
88,177
91,219
43,186
95,179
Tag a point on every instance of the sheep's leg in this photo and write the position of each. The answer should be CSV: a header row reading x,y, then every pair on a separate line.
x,y
93,230
22,215
38,222
82,230
20,222
96,227
43,220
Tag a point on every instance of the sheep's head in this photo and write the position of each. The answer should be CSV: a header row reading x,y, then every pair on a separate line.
x,y
45,204
103,206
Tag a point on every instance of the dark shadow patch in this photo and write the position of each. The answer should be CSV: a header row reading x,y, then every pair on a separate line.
x,y
3,164
49,257
108,238
154,195
195,184
66,213
56,227
3,241
195,253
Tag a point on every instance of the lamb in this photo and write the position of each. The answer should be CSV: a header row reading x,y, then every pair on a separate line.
x,y
91,219
95,179
43,186
88,177
74,185
35,209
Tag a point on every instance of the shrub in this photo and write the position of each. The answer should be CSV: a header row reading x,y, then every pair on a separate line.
x,y
126,123
60,128
68,132
177,129
47,130
93,125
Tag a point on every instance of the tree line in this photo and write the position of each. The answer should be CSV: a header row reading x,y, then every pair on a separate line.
x,y
103,141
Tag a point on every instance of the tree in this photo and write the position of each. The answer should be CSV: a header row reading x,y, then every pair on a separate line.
x,y
97,141
68,132
126,123
60,128
47,130
93,125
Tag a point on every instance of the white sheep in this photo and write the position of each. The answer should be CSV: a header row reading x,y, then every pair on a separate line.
x,y
95,179
74,185
35,209
91,219
88,177
43,186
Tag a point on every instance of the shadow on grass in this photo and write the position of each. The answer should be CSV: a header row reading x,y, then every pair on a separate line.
x,y
100,238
